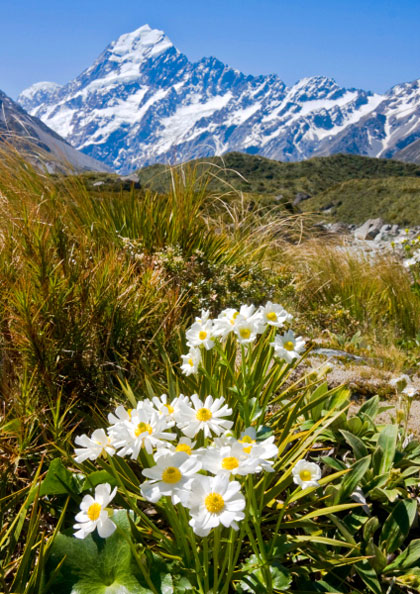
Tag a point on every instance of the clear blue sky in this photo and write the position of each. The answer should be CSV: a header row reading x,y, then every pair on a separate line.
x,y
371,44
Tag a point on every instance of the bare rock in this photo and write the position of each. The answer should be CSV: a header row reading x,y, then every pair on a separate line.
x,y
369,230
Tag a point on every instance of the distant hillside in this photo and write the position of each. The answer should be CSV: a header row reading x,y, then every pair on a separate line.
x,y
347,188
258,175
394,199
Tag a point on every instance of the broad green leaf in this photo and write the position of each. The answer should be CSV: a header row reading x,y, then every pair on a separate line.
x,y
387,441
397,525
370,407
354,425
95,565
370,528
369,577
356,444
98,477
58,480
253,579
377,559
353,478
406,559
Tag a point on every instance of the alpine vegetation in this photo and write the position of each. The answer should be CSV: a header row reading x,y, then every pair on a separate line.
x,y
246,476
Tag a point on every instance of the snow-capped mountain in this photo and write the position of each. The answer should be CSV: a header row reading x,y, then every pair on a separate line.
x,y
38,143
143,101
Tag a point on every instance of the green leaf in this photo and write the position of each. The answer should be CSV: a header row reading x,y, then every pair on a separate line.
x,y
370,407
253,579
377,559
352,479
97,478
58,480
387,441
370,528
369,577
356,444
397,525
406,559
95,565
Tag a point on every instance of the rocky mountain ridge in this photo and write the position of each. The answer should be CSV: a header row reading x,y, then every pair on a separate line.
x,y
142,102
38,143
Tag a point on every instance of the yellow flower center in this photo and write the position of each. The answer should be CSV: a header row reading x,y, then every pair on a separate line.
x,y
247,439
233,318
245,332
191,362
202,335
305,475
203,414
289,346
94,511
214,503
230,463
183,447
272,316
171,475
142,428
170,408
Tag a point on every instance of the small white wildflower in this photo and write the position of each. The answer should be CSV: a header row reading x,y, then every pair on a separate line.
x,y
92,447
288,346
207,415
410,391
200,334
191,361
214,501
94,514
172,476
275,315
400,382
306,474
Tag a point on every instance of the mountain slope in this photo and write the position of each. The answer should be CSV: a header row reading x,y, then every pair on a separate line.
x,y
142,102
258,175
39,143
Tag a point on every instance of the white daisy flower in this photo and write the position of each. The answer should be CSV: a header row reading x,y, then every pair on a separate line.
x,y
167,407
94,514
172,476
400,382
121,415
200,334
191,361
205,415
306,474
274,314
185,444
247,329
410,391
262,454
203,317
92,447
213,501
229,460
144,430
225,322
248,439
288,346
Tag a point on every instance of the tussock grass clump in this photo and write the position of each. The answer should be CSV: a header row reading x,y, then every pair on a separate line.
x,y
371,295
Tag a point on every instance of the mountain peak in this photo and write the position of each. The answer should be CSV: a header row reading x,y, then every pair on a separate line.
x,y
37,93
143,43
